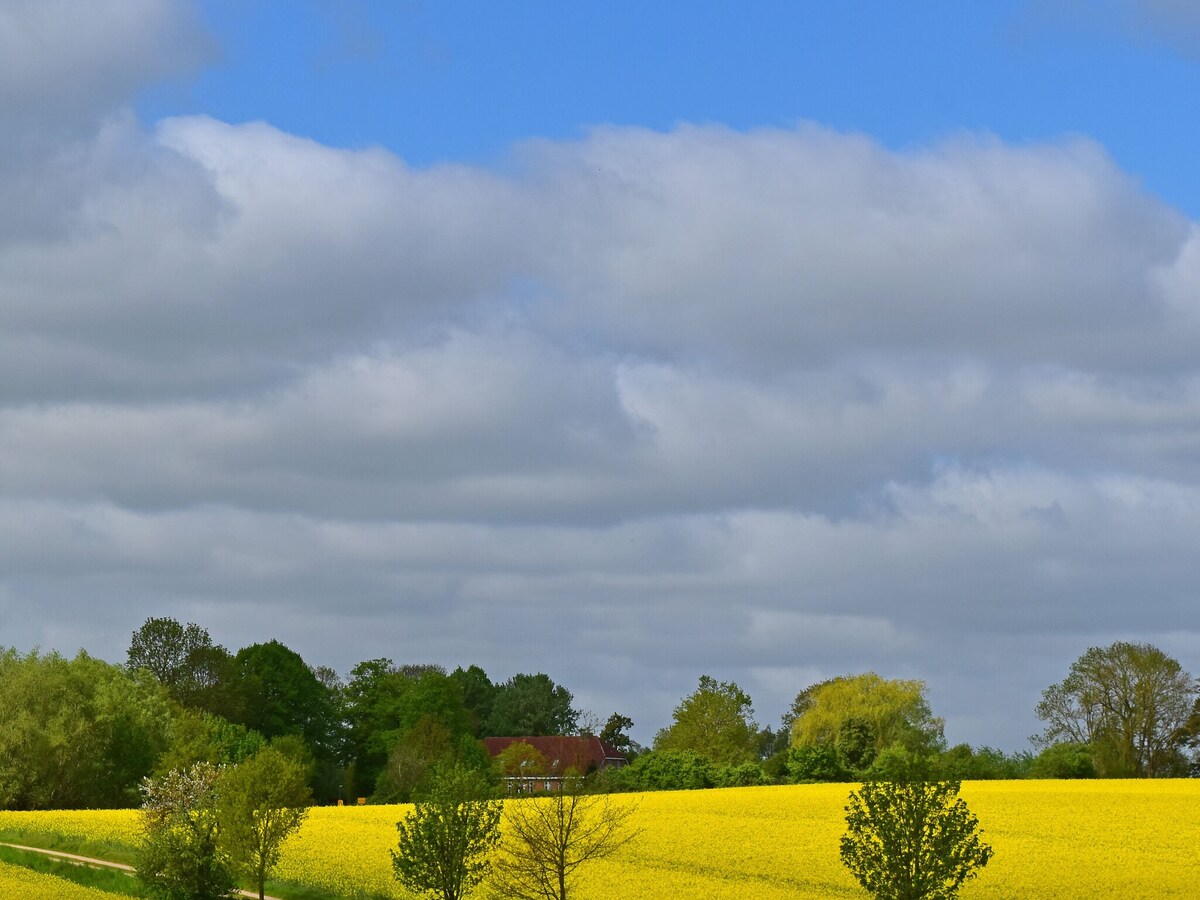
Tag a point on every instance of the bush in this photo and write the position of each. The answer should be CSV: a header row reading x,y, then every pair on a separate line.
x,y
745,775
816,762
1064,760
180,857
667,770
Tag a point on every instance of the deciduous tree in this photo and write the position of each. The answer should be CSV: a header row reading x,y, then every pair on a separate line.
x,y
180,856
716,721
549,838
1128,702
259,803
912,839
894,711
446,840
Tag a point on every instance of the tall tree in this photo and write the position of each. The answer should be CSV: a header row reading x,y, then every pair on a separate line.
x,y
195,671
385,704
1129,702
716,721
280,695
531,706
478,693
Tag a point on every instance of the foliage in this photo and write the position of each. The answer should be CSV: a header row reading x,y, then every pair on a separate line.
x,y
384,705
666,770
196,736
549,838
815,763
521,759
76,733
962,763
531,706
260,802
715,721
196,672
280,695
478,694
1128,702
616,734
894,711
180,855
412,761
446,840
911,839
1066,759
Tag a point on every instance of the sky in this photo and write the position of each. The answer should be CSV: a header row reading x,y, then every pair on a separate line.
x,y
625,342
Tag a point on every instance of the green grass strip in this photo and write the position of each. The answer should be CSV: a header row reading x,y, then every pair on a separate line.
x,y
112,881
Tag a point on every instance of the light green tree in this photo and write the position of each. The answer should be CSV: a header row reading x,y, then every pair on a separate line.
x,y
715,721
259,803
892,711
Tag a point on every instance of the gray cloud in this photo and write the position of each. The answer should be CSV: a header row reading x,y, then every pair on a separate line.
x,y
770,405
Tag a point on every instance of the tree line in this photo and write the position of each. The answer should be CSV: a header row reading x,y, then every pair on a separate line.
x,y
83,733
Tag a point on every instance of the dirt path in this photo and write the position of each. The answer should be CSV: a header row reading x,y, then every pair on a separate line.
x,y
100,863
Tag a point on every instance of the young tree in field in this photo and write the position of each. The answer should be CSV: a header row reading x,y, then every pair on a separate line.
x,y
912,839
259,803
180,856
549,838
446,840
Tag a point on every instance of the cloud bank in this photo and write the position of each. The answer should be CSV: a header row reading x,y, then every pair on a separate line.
x,y
770,405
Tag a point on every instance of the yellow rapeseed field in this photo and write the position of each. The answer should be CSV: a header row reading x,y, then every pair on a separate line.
x,y
16,882
1053,839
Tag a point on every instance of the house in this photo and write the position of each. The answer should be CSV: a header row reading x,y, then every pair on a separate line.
x,y
562,754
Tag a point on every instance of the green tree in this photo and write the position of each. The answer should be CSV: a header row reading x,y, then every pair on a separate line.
x,y
531,706
180,857
548,839
716,721
912,839
196,672
391,708
76,733
259,803
894,710
280,695
1129,703
445,841
478,694
616,734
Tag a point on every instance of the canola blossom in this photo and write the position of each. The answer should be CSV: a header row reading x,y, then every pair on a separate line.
x,y
18,882
1052,839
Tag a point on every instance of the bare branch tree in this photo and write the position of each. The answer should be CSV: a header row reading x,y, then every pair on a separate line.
x,y
549,838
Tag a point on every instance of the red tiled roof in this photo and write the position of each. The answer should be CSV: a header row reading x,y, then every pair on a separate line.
x,y
564,752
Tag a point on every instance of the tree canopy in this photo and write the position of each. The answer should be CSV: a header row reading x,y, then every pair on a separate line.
x,y
715,721
889,711
1129,703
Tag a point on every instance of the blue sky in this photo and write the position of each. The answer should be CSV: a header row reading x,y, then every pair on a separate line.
x,y
624,342
437,82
